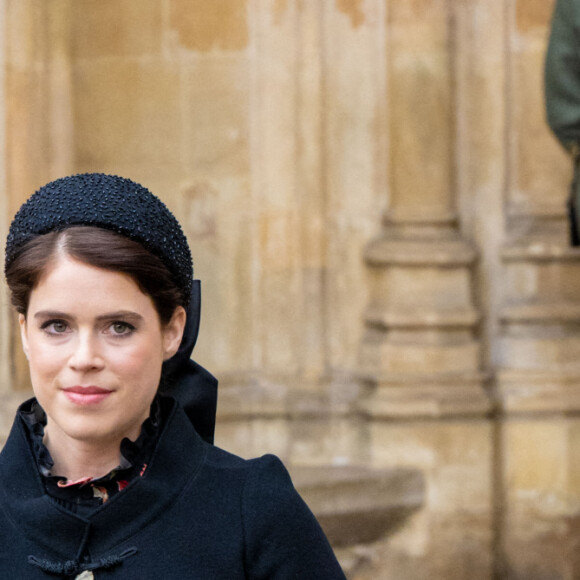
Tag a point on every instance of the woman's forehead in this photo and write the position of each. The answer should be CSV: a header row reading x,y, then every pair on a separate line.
x,y
69,284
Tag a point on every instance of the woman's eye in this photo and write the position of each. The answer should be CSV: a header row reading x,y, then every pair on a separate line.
x,y
121,328
55,327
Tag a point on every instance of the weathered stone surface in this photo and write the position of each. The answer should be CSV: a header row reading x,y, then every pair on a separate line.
x,y
452,536
114,29
540,474
136,127
376,209
357,505
223,27
8,405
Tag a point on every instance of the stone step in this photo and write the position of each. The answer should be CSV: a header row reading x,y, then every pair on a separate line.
x,y
358,505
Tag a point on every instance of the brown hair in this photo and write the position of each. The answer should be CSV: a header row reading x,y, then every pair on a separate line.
x,y
96,247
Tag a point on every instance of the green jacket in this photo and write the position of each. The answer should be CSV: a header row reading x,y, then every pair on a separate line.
x,y
562,74
562,89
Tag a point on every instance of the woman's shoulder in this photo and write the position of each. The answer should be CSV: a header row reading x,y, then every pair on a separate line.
x,y
266,467
281,535
263,482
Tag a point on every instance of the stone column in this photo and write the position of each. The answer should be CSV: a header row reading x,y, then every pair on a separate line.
x,y
27,145
25,135
280,258
421,351
421,355
38,112
60,93
538,348
315,105
539,366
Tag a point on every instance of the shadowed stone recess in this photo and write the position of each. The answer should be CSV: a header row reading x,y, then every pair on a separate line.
x,y
357,505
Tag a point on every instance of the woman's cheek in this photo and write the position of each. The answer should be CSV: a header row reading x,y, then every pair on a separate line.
x,y
47,359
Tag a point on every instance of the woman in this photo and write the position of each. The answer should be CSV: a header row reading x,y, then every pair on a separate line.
x,y
110,471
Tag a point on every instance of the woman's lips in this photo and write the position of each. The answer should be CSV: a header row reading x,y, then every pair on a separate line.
x,y
90,395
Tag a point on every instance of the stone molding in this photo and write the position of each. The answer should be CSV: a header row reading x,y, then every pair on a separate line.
x,y
420,355
539,342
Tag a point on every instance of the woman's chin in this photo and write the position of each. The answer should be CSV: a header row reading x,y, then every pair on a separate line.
x,y
97,430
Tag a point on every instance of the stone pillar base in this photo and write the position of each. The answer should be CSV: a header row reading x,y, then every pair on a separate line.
x,y
442,396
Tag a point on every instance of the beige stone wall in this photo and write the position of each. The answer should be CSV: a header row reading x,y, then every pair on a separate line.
x,y
376,211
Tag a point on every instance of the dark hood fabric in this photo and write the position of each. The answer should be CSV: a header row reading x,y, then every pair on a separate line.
x,y
188,382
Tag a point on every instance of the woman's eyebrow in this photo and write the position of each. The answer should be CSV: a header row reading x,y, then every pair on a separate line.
x,y
108,316
51,314
124,314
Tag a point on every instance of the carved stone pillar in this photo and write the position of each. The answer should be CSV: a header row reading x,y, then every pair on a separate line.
x,y
538,350
38,132
61,152
421,350
25,134
539,366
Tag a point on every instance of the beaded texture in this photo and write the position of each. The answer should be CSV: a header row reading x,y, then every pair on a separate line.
x,y
109,202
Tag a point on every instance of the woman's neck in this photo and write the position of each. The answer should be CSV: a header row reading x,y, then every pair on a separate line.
x,y
76,459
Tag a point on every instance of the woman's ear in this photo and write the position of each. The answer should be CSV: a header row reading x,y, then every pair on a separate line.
x,y
23,333
173,332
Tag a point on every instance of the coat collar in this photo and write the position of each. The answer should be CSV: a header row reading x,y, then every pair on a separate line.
x,y
177,459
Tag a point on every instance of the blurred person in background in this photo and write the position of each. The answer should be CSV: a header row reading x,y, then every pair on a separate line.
x,y
562,91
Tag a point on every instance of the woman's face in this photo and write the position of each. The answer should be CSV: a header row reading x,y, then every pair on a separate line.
x,y
95,346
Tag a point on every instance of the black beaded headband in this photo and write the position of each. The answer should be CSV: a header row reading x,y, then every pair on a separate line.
x,y
109,202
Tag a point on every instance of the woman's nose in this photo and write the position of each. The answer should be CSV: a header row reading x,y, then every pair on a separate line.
x,y
86,354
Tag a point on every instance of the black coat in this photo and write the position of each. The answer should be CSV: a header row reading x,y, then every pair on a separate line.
x,y
198,512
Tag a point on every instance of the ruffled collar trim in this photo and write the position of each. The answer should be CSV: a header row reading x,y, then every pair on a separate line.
x,y
89,493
